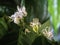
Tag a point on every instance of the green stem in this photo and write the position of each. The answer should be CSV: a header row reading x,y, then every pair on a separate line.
x,y
22,3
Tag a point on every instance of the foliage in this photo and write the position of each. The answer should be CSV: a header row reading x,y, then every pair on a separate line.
x,y
31,27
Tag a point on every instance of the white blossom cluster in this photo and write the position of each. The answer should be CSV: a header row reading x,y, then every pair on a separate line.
x,y
19,14
35,24
48,33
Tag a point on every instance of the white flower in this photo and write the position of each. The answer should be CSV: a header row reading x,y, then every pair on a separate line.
x,y
47,33
21,12
35,24
27,31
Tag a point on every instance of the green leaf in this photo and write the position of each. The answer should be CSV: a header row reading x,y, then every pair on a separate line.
x,y
3,27
2,21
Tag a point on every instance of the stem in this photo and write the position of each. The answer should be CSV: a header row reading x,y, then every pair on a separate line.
x,y
22,3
